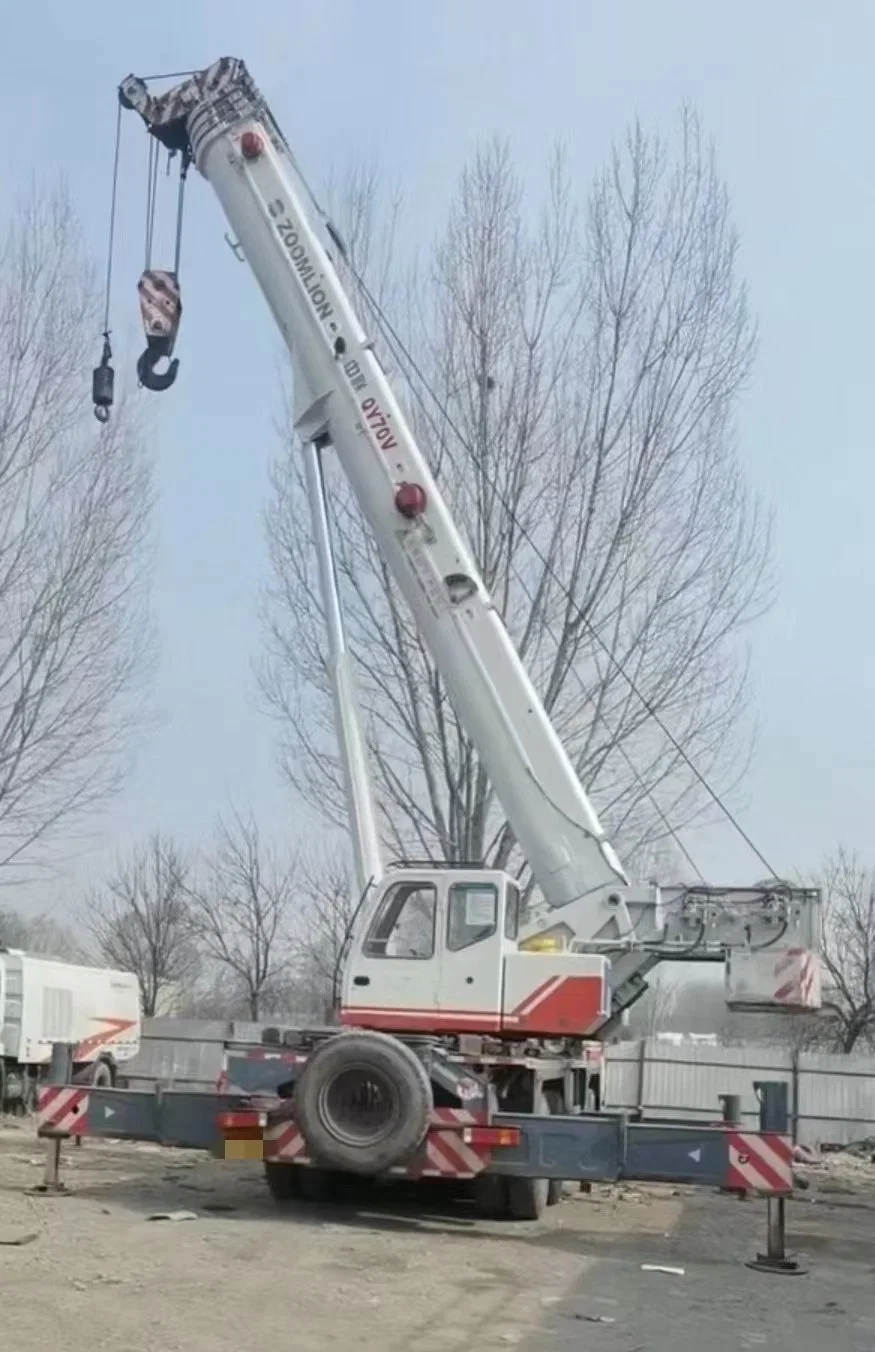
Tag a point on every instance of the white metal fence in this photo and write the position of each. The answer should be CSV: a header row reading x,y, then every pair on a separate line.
x,y
185,1053
832,1097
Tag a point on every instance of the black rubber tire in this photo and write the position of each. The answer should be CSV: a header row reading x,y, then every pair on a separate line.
x,y
282,1180
555,1105
101,1076
490,1196
404,1087
316,1185
527,1198
31,1095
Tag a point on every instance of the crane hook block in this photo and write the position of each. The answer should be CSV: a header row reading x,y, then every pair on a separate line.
x,y
161,309
103,384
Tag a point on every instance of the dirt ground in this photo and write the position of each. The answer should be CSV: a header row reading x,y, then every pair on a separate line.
x,y
391,1272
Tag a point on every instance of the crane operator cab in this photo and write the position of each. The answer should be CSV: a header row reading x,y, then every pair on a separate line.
x,y
438,951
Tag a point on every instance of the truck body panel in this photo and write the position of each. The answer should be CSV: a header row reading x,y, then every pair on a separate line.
x,y
43,1001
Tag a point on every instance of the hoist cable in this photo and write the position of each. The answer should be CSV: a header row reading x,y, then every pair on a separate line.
x,y
394,339
180,209
588,696
151,199
112,208
169,75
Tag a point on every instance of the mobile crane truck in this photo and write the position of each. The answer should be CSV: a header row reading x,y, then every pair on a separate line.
x,y
466,1016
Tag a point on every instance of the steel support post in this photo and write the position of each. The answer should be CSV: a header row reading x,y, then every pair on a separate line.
x,y
730,1109
60,1072
52,1169
775,1117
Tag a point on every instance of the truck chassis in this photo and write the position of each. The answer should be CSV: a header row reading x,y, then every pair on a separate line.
x,y
516,1161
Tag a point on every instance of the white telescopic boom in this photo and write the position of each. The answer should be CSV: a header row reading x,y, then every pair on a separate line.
x,y
342,396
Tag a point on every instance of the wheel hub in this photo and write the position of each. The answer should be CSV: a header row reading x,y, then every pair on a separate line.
x,y
359,1105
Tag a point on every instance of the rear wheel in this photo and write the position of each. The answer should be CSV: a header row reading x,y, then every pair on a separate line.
x,y
101,1075
282,1180
363,1103
299,1182
316,1185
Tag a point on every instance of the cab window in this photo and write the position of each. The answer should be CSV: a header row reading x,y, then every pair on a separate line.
x,y
404,926
472,914
512,912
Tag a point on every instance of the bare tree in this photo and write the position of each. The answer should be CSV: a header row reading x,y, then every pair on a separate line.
x,y
654,1013
585,372
242,910
217,994
848,888
326,912
75,641
40,933
139,920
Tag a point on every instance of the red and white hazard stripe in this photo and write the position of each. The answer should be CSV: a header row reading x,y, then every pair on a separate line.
x,y
448,1156
796,974
283,1141
445,1155
759,1162
63,1110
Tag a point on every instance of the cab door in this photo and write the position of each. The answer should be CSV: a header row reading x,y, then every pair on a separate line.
x,y
470,982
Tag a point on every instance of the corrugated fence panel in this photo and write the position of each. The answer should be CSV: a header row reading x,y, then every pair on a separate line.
x,y
687,1081
835,1094
622,1073
836,1097
188,1053
179,1053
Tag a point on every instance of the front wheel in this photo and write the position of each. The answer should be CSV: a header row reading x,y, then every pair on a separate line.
x,y
521,1199
31,1095
527,1198
490,1196
554,1104
101,1075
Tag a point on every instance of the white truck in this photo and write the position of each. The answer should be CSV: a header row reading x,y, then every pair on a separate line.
x,y
458,1002
43,1001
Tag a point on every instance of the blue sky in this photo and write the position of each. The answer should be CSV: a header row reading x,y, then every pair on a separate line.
x,y
782,87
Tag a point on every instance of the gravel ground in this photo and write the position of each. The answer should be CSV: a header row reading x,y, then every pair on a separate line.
x,y
392,1272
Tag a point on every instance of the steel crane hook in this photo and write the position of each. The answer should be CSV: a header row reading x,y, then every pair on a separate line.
x,y
161,308
148,377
